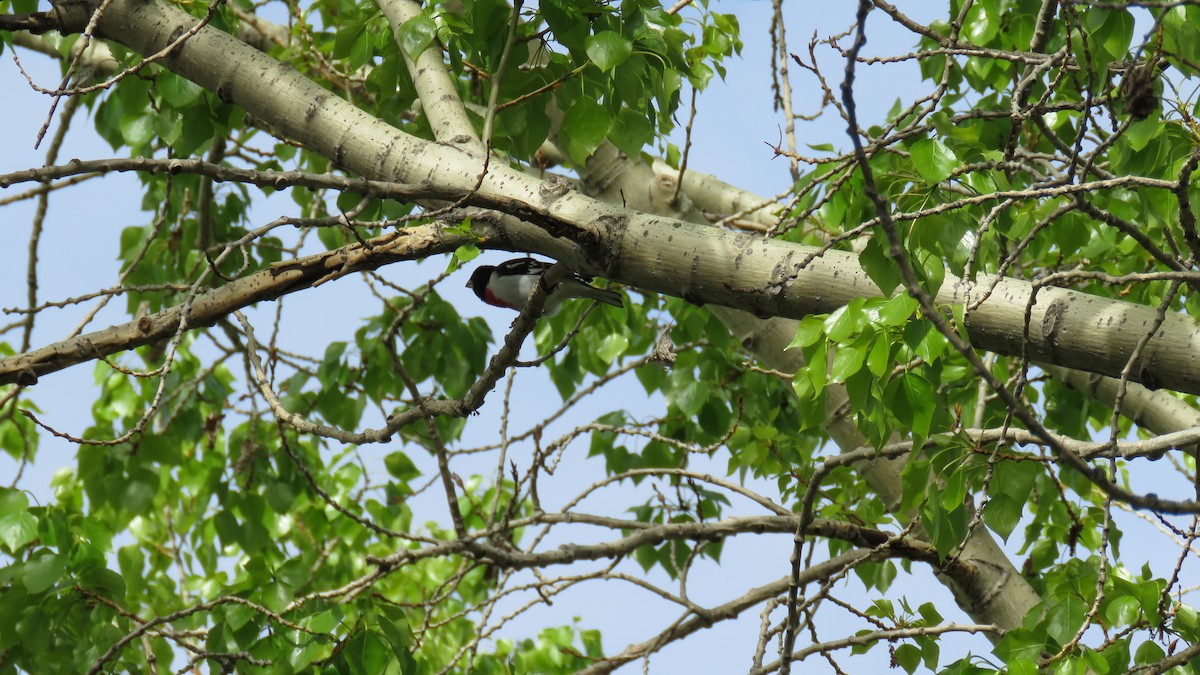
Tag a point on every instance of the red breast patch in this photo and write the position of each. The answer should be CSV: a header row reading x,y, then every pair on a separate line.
x,y
490,298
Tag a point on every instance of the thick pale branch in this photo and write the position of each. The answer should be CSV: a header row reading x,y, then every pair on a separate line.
x,y
438,94
766,277
1157,411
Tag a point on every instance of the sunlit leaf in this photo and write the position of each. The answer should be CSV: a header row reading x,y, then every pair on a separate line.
x,y
608,49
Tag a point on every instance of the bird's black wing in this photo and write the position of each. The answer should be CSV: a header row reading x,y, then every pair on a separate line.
x,y
533,266
522,266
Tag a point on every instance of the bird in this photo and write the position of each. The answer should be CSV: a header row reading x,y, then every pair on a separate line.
x,y
510,283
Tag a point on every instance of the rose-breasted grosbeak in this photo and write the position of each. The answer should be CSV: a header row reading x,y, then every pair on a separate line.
x,y
510,283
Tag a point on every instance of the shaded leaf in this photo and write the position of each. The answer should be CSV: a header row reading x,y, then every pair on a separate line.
x,y
585,125
933,160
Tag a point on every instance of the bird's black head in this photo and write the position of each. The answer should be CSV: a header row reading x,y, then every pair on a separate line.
x,y
479,279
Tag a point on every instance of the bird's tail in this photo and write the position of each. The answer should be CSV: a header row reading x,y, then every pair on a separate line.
x,y
603,295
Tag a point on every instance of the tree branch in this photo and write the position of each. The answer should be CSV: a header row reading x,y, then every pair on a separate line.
x,y
437,91
647,252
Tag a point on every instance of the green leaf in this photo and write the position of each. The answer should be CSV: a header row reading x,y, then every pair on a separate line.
x,y
176,90
279,496
699,75
585,125
846,321
1181,37
1149,594
1022,667
400,466
953,489
847,360
1020,648
463,254
861,389
690,397
919,394
138,494
1110,31
931,651
810,330
416,35
42,572
565,19
168,125
933,160
879,357
1122,610
196,130
1007,505
908,657
137,130
350,39
393,624
1003,512
1187,622
982,24
108,120
612,346
17,530
932,267
898,310
1065,616
925,340
608,49
946,528
716,42
1149,652
631,131
875,261
883,608
929,613
816,367
13,501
